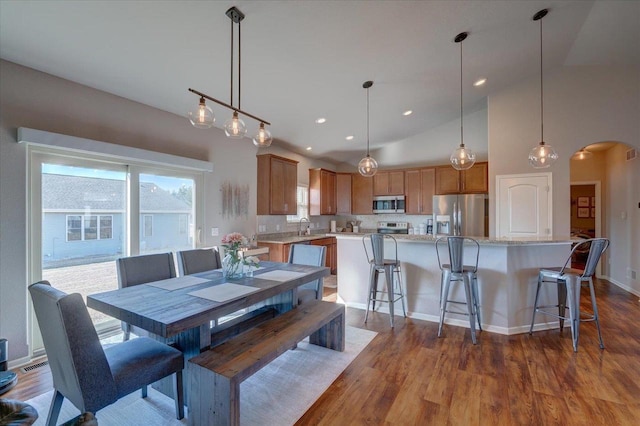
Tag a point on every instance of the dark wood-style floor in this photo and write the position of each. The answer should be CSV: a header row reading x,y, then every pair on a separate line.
x,y
409,376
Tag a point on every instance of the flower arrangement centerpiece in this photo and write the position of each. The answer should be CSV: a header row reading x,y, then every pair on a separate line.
x,y
232,263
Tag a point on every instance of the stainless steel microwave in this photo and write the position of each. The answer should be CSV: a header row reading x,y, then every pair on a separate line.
x,y
388,204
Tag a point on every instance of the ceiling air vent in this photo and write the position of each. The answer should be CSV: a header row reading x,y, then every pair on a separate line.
x,y
631,154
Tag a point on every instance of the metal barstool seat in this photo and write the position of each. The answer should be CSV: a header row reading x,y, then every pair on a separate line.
x,y
569,282
393,275
457,271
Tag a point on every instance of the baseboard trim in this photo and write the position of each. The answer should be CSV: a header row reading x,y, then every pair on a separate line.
x,y
622,286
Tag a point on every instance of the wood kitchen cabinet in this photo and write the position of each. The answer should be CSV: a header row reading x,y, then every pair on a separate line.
x,y
277,185
331,250
277,252
361,194
343,193
472,181
322,192
388,183
419,190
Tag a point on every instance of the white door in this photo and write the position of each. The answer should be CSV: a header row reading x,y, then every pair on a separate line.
x,y
524,207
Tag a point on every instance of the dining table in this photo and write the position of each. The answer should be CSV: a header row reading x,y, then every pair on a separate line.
x,y
180,311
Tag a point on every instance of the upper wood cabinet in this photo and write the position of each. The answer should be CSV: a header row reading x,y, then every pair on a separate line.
x,y
419,190
343,193
361,194
277,185
471,181
388,183
322,192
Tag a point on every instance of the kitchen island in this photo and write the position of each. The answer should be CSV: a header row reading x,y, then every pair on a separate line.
x,y
507,276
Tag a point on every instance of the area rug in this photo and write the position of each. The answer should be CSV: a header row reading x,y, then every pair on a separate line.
x,y
279,394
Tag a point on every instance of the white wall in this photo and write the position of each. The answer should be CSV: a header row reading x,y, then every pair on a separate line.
x,y
33,99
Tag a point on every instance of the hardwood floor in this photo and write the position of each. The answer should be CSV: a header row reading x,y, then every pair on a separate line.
x,y
409,376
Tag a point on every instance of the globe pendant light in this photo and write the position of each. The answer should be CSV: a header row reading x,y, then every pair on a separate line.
x,y
462,158
235,128
263,138
543,155
368,166
202,116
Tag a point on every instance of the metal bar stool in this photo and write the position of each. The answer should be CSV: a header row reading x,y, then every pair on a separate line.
x,y
569,282
456,271
391,269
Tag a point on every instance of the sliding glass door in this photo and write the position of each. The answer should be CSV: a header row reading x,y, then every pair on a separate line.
x,y
86,213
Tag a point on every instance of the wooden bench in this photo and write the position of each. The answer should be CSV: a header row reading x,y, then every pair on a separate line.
x,y
215,375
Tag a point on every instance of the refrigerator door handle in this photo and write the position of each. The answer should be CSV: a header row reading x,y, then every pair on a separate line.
x,y
454,229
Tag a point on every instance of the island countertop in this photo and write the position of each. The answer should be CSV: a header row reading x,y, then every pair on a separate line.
x,y
481,240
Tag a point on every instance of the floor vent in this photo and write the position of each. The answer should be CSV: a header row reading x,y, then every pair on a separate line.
x,y
34,366
631,154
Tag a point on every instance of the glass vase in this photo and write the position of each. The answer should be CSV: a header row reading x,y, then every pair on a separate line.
x,y
232,266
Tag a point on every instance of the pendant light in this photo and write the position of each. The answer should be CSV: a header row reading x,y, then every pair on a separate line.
x,y
462,158
202,116
368,166
583,154
543,155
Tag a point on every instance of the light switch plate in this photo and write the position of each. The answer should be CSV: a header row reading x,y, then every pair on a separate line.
x,y
215,232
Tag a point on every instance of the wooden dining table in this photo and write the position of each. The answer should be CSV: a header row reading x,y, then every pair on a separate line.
x,y
179,311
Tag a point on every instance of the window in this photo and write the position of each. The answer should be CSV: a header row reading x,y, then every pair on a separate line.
x,y
302,199
83,228
182,224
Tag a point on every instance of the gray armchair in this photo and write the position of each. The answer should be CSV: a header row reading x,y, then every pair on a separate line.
x,y
198,260
143,269
306,254
88,375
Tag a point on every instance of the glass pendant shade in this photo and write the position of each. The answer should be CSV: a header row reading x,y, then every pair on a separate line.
x,y
202,116
368,166
583,154
542,156
462,158
262,138
234,127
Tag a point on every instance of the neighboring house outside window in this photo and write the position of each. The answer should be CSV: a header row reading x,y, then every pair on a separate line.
x,y
148,225
182,224
302,197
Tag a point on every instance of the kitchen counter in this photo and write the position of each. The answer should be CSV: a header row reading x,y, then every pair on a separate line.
x,y
507,277
481,240
292,239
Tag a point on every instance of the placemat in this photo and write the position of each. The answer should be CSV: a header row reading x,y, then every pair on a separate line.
x,y
280,275
178,282
223,292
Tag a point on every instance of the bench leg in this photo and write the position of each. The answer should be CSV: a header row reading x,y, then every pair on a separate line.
x,y
331,335
215,400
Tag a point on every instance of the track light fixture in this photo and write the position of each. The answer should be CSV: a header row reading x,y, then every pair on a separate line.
x,y
202,116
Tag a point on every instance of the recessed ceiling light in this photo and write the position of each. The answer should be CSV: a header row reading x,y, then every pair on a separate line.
x,y
480,82
407,112
321,120
349,138
308,148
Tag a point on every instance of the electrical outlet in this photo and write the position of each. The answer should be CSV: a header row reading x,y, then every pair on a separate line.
x,y
215,232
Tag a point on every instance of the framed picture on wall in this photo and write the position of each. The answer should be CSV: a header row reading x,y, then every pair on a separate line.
x,y
593,212
583,202
583,212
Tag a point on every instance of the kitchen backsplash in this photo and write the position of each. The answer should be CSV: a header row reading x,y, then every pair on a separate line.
x,y
279,224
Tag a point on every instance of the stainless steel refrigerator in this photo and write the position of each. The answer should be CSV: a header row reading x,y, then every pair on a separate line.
x,y
461,214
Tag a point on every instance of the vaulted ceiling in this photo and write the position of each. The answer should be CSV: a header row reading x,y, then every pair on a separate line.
x,y
302,60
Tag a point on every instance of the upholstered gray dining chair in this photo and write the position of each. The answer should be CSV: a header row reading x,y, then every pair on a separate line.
x,y
143,269
198,260
306,254
88,375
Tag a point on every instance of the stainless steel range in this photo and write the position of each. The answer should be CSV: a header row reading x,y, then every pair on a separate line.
x,y
393,228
